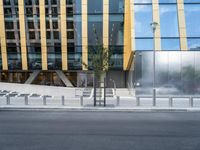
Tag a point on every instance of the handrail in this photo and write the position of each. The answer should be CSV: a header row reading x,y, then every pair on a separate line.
x,y
114,86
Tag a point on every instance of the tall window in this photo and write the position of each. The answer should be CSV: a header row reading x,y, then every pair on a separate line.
x,y
143,31
74,35
169,25
116,32
11,14
192,12
95,24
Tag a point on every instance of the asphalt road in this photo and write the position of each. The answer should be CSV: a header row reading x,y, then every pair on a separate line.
x,y
58,130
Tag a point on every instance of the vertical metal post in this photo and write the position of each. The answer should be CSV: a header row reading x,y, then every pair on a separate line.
x,y
81,100
191,102
95,90
8,99
63,100
118,101
26,100
44,100
170,102
154,72
137,101
154,25
104,92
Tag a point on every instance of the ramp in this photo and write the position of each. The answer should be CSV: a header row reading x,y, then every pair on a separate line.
x,y
32,77
64,79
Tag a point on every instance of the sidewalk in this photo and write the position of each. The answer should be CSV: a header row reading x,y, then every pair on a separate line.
x,y
125,105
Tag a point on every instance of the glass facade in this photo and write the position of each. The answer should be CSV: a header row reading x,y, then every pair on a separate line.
x,y
171,30
192,12
169,25
12,31
33,37
74,34
116,32
95,26
143,31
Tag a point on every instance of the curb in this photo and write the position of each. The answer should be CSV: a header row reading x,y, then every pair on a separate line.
x,y
100,109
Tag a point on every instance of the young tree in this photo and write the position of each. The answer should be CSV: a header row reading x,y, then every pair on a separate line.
x,y
99,61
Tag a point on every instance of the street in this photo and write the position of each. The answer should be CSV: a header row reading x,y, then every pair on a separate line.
x,y
65,130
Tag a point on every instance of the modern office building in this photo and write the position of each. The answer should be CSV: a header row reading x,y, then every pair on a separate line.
x,y
47,41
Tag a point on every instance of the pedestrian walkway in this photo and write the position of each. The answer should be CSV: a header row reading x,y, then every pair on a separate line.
x,y
73,100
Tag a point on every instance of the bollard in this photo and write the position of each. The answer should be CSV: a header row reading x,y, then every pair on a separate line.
x,y
137,101
44,100
118,101
81,100
170,102
191,102
8,99
26,100
63,100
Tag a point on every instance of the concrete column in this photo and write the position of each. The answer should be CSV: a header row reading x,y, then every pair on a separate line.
x,y
3,38
84,34
63,19
43,34
23,35
182,25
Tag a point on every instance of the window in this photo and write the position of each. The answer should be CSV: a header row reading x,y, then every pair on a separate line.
x,y
47,24
142,1
77,6
70,35
194,43
167,1
144,44
70,25
170,44
10,35
32,35
143,31
95,29
116,30
116,6
169,27
169,21
69,2
56,35
6,2
30,25
192,12
9,25
55,25
143,18
48,34
95,7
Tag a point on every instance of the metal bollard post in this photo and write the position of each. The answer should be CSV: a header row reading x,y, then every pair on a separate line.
x,y
118,101
8,99
44,100
137,101
170,102
63,100
26,100
191,102
81,100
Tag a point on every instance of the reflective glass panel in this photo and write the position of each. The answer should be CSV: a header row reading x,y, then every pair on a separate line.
x,y
170,44
144,44
192,12
168,21
143,18
193,43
